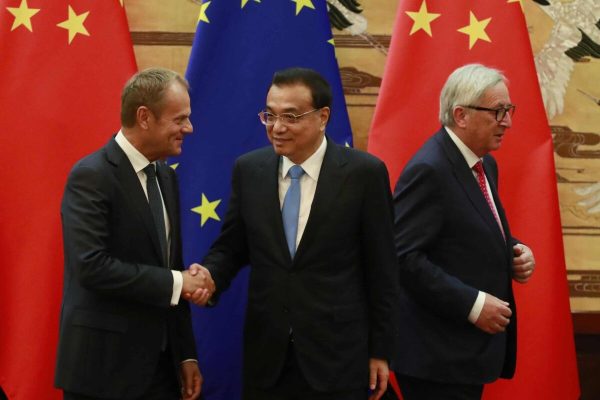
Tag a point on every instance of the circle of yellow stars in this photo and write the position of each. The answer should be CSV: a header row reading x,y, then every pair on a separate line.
x,y
300,5
422,20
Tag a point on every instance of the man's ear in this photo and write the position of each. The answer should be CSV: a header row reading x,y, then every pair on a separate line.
x,y
460,116
143,115
325,113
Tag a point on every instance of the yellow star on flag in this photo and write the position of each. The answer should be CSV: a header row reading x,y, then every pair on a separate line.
x,y
74,24
244,2
202,17
174,166
475,29
22,15
422,19
517,1
331,42
303,3
207,210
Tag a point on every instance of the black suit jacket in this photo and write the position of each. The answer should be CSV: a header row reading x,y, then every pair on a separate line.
x,y
337,293
116,300
450,247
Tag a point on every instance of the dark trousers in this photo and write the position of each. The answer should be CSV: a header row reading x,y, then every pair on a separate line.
x,y
420,389
164,385
292,385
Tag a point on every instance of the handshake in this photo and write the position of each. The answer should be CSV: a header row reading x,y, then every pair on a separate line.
x,y
198,285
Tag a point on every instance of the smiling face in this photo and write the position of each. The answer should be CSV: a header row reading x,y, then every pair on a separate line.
x,y
297,141
164,130
478,129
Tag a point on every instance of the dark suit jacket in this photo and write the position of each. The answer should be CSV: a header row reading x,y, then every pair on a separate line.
x,y
338,291
116,301
450,247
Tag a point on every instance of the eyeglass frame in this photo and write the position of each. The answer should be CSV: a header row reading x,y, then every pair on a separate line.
x,y
277,117
510,109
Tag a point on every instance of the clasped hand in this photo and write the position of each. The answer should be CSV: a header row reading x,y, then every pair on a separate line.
x,y
198,285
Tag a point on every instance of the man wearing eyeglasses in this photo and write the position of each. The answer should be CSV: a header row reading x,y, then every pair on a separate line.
x,y
456,252
314,221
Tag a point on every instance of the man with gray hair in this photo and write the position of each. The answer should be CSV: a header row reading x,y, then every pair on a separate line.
x,y
125,332
456,253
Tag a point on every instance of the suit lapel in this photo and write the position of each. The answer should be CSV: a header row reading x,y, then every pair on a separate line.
x,y
330,181
267,188
464,176
132,190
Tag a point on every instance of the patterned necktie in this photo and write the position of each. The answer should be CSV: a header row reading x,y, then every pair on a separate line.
x,y
481,179
156,207
291,208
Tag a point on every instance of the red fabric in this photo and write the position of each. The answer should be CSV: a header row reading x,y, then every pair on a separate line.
x,y
407,114
59,101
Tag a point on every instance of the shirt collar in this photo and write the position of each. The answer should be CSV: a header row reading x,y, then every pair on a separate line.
x,y
470,157
311,166
137,159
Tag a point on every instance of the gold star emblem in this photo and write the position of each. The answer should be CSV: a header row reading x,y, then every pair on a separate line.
x,y
422,19
207,210
300,4
475,30
244,2
74,24
202,17
517,1
22,15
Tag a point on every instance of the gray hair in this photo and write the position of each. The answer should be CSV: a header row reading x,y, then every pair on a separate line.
x,y
465,86
147,88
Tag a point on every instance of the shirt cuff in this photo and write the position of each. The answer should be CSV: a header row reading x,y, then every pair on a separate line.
x,y
177,287
189,360
477,307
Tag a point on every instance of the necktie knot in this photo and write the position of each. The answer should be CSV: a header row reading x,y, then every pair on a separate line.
x,y
295,172
150,171
478,167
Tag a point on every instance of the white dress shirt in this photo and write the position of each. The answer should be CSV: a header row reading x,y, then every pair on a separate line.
x,y
471,160
308,184
139,162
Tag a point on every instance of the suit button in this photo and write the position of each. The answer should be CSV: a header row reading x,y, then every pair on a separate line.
x,y
286,310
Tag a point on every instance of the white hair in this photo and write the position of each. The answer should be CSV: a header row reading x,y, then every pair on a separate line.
x,y
465,86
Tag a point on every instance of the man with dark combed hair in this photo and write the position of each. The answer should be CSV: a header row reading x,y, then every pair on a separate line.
x,y
314,221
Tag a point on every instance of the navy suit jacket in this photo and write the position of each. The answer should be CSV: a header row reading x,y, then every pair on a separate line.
x,y
449,247
337,293
116,297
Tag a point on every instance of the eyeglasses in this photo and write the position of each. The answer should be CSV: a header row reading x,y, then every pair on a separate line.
x,y
500,111
269,119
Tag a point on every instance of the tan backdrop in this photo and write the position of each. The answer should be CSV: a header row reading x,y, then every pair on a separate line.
x,y
162,33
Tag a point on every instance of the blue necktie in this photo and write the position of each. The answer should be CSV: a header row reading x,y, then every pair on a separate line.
x,y
156,207
291,208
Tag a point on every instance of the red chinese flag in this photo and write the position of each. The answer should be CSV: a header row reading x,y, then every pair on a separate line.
x,y
430,40
63,64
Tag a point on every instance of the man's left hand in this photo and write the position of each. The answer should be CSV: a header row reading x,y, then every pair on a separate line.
x,y
191,380
378,377
523,263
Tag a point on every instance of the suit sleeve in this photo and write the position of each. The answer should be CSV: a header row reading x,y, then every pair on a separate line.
x,y
380,262
229,252
418,207
87,215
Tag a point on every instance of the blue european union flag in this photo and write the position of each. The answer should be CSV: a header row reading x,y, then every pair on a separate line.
x,y
237,48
